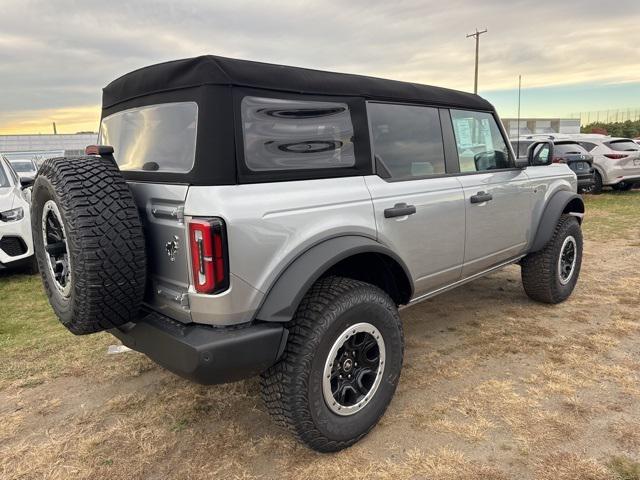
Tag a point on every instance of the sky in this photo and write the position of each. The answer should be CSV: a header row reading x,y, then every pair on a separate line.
x,y
574,56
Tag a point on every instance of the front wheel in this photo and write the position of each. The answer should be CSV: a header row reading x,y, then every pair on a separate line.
x,y
597,183
341,365
550,275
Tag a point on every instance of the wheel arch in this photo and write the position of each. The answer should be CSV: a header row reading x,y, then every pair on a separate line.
x,y
562,202
342,256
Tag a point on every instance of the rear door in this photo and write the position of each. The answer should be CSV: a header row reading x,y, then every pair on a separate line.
x,y
159,139
497,196
419,211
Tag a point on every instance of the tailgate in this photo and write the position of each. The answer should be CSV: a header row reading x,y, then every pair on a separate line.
x,y
161,207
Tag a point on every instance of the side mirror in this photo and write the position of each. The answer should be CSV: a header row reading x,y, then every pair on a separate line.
x,y
540,153
26,182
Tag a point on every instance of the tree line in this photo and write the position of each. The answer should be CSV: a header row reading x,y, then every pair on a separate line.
x,y
627,129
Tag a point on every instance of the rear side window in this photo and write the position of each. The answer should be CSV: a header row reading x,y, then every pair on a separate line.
x,y
566,148
282,134
155,138
588,146
407,139
623,145
480,143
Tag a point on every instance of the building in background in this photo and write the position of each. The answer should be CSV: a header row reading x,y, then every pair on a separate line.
x,y
41,147
541,125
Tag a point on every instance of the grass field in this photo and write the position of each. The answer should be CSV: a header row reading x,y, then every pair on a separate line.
x,y
494,386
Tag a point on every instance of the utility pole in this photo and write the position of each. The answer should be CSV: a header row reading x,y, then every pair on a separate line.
x,y
519,91
55,130
477,35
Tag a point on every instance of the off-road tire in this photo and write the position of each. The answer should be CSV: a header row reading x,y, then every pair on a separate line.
x,y
597,183
106,247
539,270
292,389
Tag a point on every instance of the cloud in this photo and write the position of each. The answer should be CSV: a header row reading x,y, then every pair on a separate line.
x,y
58,55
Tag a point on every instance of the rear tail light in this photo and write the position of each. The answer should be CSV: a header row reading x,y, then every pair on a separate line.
x,y
615,156
558,159
209,255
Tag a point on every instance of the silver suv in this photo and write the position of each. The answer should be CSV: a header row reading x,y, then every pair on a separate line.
x,y
241,218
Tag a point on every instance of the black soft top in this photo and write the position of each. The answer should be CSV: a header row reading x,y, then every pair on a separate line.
x,y
213,70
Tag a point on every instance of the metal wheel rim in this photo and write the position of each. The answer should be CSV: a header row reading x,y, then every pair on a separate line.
x,y
56,247
567,260
353,345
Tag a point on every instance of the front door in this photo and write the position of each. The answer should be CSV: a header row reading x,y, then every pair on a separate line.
x,y
497,196
420,213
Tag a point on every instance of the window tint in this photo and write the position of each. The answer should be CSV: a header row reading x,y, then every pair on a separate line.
x,y
588,146
296,135
623,145
479,141
565,148
153,138
407,139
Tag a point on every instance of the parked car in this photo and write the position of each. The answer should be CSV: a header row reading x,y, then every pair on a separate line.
x,y
242,218
616,160
565,151
16,245
25,168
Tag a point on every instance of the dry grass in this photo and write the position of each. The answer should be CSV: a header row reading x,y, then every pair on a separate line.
x,y
494,386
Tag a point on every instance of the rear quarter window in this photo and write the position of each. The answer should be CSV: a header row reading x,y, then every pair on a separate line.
x,y
283,134
154,138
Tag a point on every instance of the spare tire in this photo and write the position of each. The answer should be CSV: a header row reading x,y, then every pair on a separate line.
x,y
89,243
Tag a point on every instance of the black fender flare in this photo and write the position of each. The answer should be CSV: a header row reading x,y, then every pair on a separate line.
x,y
284,296
555,207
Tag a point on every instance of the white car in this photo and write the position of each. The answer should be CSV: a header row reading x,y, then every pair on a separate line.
x,y
16,244
616,160
25,168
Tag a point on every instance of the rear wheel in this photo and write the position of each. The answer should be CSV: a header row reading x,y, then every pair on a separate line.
x,y
341,365
88,242
623,186
550,275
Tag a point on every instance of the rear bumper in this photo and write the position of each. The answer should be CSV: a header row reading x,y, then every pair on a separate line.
x,y
202,353
585,180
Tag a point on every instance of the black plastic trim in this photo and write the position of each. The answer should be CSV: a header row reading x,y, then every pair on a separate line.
x,y
284,296
202,353
550,217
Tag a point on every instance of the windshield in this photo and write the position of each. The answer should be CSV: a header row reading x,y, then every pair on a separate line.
x,y
23,167
623,145
567,148
4,180
155,138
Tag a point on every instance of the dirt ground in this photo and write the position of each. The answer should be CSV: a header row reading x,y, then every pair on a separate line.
x,y
494,386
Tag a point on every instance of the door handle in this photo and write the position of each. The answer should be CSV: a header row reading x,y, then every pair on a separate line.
x,y
399,210
481,197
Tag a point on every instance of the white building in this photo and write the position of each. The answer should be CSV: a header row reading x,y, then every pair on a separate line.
x,y
541,125
46,145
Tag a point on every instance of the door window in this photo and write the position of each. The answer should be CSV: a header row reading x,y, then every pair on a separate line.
x,y
407,140
480,143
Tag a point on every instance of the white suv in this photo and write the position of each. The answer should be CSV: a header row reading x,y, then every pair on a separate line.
x,y
16,244
616,160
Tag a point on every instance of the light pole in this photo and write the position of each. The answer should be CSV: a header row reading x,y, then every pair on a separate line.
x,y
477,35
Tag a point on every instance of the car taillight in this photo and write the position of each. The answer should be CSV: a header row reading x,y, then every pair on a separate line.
x,y
209,258
557,159
615,156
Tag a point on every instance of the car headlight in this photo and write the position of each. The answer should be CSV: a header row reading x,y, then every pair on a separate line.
x,y
12,215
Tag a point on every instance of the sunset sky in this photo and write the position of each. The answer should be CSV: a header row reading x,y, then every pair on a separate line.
x,y
573,56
